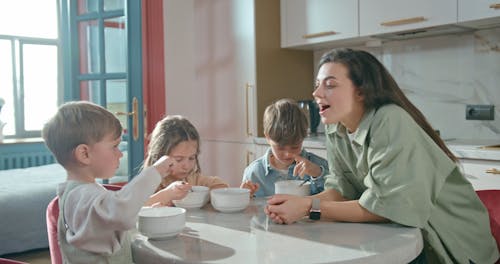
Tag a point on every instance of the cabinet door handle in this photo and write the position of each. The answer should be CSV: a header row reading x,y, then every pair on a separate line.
x,y
247,98
249,157
495,6
493,171
319,34
403,21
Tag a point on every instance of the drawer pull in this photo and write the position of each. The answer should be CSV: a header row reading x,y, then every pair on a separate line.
x,y
495,6
320,34
403,21
493,171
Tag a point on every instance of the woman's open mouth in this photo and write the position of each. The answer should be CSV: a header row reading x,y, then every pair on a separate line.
x,y
323,108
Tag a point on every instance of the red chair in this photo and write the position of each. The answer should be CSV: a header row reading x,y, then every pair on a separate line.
x,y
11,261
52,214
491,200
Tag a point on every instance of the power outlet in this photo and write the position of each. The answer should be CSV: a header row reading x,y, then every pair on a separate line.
x,y
480,112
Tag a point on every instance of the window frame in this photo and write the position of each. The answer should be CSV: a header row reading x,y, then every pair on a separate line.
x,y
17,63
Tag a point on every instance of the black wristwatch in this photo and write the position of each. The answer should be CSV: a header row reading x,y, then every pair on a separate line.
x,y
315,212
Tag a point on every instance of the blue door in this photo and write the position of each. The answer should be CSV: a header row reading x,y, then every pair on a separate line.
x,y
102,63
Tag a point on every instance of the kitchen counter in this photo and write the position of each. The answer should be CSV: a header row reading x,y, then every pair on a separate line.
x,y
462,148
250,237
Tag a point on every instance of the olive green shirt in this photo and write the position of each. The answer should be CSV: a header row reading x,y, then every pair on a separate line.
x,y
397,171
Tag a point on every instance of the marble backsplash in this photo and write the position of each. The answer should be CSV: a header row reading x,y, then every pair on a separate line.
x,y
443,74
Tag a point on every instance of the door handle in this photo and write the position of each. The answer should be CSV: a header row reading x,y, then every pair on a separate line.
x,y
248,86
135,118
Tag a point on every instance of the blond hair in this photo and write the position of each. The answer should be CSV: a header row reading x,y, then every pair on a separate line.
x,y
167,134
76,123
285,123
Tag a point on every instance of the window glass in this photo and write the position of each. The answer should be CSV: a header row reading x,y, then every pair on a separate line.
x,y
90,91
31,18
87,6
6,87
29,78
89,46
115,37
110,5
40,84
116,95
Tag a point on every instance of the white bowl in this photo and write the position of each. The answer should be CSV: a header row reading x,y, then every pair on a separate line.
x,y
229,200
292,187
195,199
161,222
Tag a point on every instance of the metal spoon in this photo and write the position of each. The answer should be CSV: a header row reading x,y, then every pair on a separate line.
x,y
306,180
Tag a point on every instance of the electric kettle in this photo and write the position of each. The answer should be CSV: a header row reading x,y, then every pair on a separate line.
x,y
311,109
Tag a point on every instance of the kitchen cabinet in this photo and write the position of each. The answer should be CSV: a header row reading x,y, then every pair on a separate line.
x,y
224,65
318,151
312,144
305,22
483,174
388,16
479,13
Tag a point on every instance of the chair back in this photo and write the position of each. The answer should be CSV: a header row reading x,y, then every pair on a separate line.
x,y
11,261
52,214
491,200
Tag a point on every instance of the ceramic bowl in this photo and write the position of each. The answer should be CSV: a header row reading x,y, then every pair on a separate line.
x,y
229,200
293,187
161,222
195,199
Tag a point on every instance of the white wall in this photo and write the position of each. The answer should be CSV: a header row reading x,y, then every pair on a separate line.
x,y
441,75
179,57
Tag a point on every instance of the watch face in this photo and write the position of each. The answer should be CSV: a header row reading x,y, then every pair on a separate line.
x,y
314,215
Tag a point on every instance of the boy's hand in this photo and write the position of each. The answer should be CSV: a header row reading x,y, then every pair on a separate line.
x,y
304,166
164,165
253,187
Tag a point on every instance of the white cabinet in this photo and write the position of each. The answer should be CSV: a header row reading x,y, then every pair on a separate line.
x,y
479,13
226,160
387,16
483,174
306,22
318,151
224,65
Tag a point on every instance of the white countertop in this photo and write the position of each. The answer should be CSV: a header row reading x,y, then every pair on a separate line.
x,y
462,148
249,237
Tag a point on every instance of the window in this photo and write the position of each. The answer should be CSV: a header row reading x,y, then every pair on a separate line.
x,y
29,65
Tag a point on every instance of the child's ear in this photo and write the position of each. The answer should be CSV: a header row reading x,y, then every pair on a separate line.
x,y
82,154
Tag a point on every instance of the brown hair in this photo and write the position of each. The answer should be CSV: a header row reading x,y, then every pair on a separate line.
x,y
285,123
167,134
378,87
76,123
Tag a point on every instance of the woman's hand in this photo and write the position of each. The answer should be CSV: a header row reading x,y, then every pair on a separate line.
x,y
287,209
253,187
304,166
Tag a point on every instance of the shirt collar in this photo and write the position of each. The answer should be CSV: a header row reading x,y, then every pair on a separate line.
x,y
362,132
267,162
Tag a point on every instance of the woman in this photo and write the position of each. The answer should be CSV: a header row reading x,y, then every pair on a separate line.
x,y
387,164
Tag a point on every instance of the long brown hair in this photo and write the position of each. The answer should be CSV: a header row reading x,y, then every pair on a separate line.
x,y
168,133
378,87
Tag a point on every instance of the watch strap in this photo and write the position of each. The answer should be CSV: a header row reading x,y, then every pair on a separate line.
x,y
315,212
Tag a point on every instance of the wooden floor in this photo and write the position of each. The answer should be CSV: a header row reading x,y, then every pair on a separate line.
x,y
38,256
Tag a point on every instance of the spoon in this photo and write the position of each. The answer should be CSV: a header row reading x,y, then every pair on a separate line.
x,y
302,183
